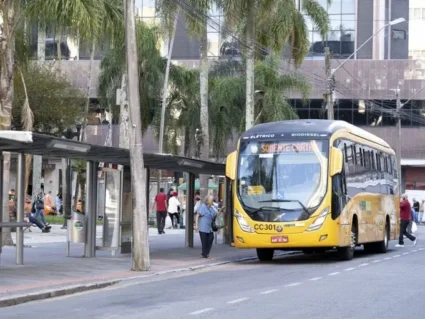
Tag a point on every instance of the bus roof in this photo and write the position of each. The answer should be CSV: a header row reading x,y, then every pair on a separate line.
x,y
318,127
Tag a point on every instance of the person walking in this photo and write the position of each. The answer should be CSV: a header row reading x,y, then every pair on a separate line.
x,y
161,210
405,219
174,209
204,220
38,208
421,211
416,207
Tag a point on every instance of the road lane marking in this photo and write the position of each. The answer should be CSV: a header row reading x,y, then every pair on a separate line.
x,y
315,278
414,251
268,292
349,269
377,261
334,273
293,284
364,265
404,254
201,311
388,258
396,256
237,300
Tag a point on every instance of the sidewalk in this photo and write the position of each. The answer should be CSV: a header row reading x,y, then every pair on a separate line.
x,y
48,272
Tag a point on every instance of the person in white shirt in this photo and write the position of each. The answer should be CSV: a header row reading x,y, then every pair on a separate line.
x,y
174,209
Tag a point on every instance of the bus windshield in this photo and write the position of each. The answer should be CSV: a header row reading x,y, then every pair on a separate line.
x,y
282,180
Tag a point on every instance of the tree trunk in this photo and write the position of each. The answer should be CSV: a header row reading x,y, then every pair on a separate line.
x,y
7,50
250,35
141,258
41,43
124,114
205,146
164,96
86,115
36,175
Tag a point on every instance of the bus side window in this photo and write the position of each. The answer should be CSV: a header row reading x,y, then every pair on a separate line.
x,y
372,160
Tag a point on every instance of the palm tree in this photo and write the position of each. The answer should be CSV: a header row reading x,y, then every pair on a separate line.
x,y
196,13
272,24
13,58
227,97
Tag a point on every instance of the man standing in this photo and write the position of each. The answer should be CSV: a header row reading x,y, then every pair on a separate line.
x,y
406,217
161,210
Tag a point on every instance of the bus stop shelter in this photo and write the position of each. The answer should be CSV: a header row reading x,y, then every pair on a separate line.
x,y
22,143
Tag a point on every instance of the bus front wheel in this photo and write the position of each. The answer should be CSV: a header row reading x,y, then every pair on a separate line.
x,y
347,253
265,254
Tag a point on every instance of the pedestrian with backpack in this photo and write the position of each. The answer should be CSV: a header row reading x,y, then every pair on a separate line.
x,y
37,209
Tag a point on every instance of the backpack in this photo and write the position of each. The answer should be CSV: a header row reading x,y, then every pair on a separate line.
x,y
39,204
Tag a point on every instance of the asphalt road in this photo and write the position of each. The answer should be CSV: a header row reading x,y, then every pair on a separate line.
x,y
370,286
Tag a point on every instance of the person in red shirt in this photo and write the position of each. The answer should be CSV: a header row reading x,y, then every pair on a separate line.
x,y
405,218
161,210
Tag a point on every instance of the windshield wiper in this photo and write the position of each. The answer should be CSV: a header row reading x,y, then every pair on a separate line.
x,y
270,208
286,201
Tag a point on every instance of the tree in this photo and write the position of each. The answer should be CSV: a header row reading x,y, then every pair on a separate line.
x,y
141,260
196,13
272,24
55,105
55,102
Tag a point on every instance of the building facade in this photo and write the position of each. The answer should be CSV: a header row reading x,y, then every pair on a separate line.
x,y
365,86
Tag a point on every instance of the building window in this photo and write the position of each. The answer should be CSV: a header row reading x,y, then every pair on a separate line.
x,y
399,34
340,39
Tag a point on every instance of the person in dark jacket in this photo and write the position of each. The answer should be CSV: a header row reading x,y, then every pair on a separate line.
x,y
405,219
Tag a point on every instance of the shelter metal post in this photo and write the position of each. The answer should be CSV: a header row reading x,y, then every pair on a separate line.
x,y
91,207
1,198
190,200
20,205
148,179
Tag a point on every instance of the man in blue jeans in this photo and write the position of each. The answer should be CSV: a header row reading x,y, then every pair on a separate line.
x,y
38,208
405,219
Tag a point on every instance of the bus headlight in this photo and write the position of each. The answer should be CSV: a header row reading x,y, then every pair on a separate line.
x,y
243,224
319,220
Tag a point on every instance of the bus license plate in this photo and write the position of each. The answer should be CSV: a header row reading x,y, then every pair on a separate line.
x,y
279,239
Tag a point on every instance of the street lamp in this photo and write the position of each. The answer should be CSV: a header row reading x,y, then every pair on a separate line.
x,y
331,79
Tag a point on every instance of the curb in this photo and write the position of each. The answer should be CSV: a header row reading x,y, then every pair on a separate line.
x,y
53,293
20,299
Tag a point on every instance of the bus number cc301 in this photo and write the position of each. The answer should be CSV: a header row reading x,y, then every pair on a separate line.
x,y
267,227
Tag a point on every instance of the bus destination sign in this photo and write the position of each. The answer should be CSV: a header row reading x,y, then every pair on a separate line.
x,y
286,147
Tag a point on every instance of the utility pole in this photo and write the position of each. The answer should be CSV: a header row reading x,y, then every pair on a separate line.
x,y
398,115
140,249
330,85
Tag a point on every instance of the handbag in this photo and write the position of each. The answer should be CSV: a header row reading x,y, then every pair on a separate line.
x,y
217,223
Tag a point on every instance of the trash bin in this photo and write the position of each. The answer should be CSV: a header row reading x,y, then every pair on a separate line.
x,y
77,228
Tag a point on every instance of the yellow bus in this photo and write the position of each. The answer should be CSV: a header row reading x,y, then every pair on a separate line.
x,y
313,185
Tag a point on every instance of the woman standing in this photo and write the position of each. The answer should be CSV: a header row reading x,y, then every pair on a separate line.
x,y
204,220
174,209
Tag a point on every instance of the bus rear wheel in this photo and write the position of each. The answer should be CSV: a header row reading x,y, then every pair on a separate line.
x,y
265,254
382,246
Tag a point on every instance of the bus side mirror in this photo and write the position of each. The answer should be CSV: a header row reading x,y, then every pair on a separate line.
x,y
231,165
336,161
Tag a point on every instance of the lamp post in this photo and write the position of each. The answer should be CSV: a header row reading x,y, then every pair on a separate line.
x,y
330,73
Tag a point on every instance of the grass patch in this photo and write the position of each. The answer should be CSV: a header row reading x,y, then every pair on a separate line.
x,y
58,220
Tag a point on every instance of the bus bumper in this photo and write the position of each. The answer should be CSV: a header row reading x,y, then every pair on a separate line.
x,y
313,239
